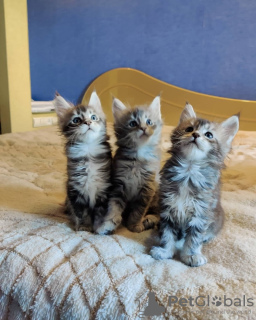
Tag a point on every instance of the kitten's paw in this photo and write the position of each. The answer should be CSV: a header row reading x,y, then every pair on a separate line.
x,y
150,222
84,228
208,238
107,227
67,212
195,260
136,228
160,253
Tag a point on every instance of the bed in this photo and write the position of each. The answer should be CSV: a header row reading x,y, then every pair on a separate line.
x,y
134,87
49,271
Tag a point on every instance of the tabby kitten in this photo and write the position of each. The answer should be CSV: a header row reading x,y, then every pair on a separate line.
x,y
190,208
135,167
89,160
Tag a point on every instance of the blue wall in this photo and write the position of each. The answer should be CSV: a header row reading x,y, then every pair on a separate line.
x,y
207,46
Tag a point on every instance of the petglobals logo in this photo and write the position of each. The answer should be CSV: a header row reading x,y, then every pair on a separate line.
x,y
207,301
204,302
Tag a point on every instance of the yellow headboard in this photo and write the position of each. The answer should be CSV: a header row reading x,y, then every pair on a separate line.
x,y
137,88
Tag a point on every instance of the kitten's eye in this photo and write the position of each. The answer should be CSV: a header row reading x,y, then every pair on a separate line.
x,y
94,117
76,120
189,129
149,122
133,124
208,135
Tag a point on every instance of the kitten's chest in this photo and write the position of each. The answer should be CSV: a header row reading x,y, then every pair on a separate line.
x,y
189,196
87,173
151,153
181,204
136,175
191,176
83,150
93,180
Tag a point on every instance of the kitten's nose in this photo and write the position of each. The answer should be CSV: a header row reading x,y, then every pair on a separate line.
x,y
143,128
195,135
88,122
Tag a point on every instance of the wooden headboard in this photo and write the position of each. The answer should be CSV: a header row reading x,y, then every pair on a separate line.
x,y
137,88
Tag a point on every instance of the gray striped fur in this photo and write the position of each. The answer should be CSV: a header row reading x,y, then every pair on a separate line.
x,y
190,207
135,167
88,161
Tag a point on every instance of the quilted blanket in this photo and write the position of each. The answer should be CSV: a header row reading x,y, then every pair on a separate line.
x,y
49,271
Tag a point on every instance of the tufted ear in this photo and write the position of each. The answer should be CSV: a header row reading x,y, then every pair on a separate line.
x,y
155,108
117,108
95,103
229,129
61,106
187,113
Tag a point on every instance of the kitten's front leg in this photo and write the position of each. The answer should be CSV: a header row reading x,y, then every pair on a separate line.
x,y
99,212
135,219
152,217
82,220
78,211
191,253
168,239
86,223
113,218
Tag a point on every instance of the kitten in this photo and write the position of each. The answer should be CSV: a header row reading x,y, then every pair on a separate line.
x,y
135,167
89,160
190,208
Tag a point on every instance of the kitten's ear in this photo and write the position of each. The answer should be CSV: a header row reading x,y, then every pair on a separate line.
x,y
155,108
117,108
229,129
187,113
95,103
61,105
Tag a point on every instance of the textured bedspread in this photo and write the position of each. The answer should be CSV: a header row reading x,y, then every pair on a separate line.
x,y
48,271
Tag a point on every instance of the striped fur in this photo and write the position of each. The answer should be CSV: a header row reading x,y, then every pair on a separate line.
x,y
135,167
89,161
190,206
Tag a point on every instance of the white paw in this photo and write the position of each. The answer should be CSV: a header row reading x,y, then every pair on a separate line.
x,y
106,228
195,260
160,253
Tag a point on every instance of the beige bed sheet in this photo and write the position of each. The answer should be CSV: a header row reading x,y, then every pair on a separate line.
x,y
48,271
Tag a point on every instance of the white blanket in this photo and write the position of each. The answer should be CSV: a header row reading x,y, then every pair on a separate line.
x,y
49,271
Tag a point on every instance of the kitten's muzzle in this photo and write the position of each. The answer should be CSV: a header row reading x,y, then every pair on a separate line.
x,y
195,135
144,131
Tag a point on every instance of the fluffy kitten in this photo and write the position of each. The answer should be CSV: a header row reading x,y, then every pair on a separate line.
x,y
190,186
135,167
89,160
